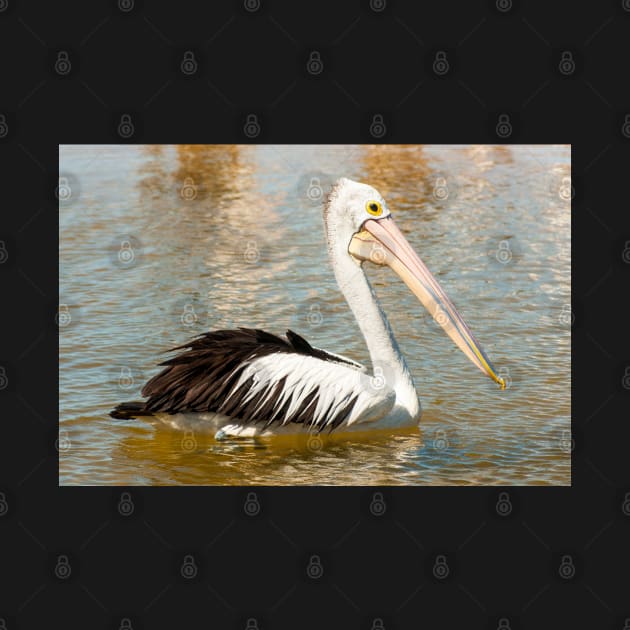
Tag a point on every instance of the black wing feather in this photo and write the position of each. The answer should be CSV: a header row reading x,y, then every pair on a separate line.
x,y
204,376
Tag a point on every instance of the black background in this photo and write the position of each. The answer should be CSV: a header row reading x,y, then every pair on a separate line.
x,y
503,58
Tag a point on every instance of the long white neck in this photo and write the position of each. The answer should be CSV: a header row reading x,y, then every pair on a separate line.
x,y
384,351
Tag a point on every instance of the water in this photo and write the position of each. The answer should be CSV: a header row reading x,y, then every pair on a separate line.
x,y
161,243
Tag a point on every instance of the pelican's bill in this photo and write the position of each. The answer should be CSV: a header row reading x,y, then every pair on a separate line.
x,y
381,242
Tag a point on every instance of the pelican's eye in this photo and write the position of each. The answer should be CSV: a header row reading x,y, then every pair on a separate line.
x,y
374,208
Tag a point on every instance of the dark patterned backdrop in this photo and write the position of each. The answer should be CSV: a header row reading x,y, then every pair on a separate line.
x,y
279,71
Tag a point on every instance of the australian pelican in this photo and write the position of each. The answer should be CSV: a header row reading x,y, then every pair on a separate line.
x,y
258,383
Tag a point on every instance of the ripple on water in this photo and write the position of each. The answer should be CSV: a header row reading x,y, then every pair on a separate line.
x,y
470,433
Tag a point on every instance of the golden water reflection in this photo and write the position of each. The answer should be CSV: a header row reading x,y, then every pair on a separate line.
x,y
227,231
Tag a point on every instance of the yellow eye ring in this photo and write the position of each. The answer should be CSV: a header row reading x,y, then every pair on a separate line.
x,y
374,208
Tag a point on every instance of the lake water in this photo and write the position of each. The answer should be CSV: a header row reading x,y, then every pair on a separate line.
x,y
158,244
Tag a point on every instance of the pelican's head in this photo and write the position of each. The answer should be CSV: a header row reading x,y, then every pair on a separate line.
x,y
359,225
350,204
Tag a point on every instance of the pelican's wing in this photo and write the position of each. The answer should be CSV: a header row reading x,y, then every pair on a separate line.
x,y
258,378
301,343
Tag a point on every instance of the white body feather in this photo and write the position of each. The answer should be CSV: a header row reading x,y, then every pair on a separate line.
x,y
297,389
385,399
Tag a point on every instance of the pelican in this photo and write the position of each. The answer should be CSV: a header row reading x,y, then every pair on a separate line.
x,y
258,383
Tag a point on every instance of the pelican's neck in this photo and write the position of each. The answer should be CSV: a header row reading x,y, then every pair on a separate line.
x,y
384,351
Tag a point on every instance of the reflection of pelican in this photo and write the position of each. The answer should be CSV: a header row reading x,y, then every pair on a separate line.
x,y
259,383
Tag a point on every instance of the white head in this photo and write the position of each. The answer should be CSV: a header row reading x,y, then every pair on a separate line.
x,y
349,205
359,227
